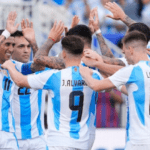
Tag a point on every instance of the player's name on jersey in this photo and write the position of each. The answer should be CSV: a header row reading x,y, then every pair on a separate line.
x,y
148,74
73,83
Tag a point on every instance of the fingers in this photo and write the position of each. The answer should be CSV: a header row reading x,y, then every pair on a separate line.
x,y
110,16
26,24
17,25
75,21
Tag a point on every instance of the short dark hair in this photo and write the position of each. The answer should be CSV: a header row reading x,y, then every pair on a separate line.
x,y
141,27
73,44
17,34
82,31
135,36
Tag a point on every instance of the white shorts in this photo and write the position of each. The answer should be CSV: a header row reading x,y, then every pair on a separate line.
x,y
91,141
130,146
8,141
38,143
62,148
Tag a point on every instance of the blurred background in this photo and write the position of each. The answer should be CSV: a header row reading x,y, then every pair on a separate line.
x,y
111,107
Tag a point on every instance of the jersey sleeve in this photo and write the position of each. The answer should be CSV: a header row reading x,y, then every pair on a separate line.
x,y
41,80
24,68
122,76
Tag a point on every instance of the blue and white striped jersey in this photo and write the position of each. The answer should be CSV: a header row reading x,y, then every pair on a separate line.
x,y
68,106
137,81
28,109
6,96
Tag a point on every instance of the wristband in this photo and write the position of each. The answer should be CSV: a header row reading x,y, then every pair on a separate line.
x,y
6,33
98,31
51,39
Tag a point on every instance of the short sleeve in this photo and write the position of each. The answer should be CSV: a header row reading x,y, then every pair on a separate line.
x,y
41,80
122,76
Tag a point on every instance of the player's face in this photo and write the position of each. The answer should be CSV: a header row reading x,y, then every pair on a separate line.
x,y
22,50
6,49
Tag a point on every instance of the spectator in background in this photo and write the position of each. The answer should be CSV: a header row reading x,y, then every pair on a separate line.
x,y
107,114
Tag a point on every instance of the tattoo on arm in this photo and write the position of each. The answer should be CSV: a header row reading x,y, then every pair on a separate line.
x,y
2,39
51,62
41,58
34,47
113,61
36,67
104,48
128,21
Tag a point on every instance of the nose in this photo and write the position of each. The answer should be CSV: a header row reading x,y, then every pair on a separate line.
x,y
11,48
26,50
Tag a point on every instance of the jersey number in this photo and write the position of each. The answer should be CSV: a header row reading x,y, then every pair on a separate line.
x,y
78,107
23,92
7,85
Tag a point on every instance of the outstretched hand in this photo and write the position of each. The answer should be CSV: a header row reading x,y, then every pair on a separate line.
x,y
10,24
117,11
27,30
56,31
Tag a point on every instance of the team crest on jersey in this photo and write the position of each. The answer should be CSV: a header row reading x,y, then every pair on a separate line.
x,y
4,72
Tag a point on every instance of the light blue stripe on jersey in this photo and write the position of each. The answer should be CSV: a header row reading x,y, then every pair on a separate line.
x,y
7,84
39,124
139,99
56,78
74,125
25,115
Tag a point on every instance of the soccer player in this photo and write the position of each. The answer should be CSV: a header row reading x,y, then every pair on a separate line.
x,y
7,137
41,58
28,104
137,80
69,109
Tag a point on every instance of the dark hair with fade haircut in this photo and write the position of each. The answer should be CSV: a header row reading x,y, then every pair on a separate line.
x,y
82,31
17,34
141,27
73,44
135,36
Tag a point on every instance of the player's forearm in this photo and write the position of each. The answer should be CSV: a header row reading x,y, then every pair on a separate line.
x,y
113,61
51,62
44,50
127,20
104,48
34,47
107,68
19,79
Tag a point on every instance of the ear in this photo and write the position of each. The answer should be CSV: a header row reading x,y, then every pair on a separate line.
x,y
131,49
63,54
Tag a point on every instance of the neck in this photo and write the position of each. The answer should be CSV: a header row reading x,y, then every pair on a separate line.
x,y
69,63
86,46
140,57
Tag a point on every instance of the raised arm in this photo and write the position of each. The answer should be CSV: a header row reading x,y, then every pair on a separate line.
x,y
29,34
10,26
118,13
42,57
105,50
